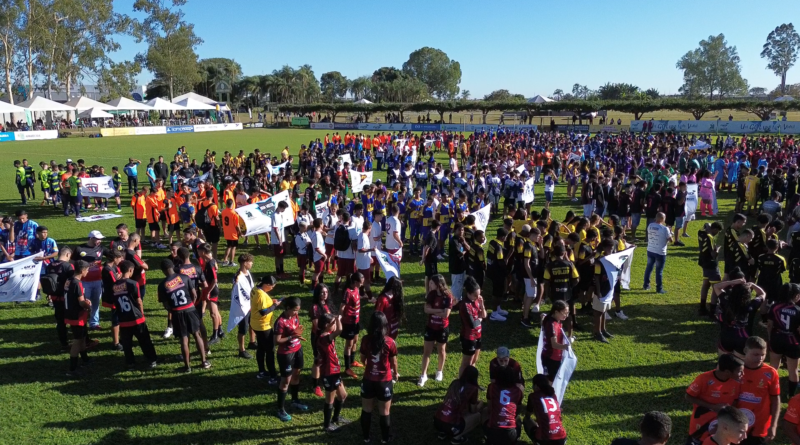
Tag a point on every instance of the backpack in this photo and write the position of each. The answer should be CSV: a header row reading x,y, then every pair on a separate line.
x,y
202,217
49,283
341,239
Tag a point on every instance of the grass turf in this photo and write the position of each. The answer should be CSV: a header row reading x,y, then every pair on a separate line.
x,y
654,356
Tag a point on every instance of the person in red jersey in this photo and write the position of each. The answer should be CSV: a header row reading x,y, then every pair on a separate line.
x,y
460,412
319,307
288,332
390,302
731,428
783,324
438,303
351,313
554,343
543,414
130,312
330,327
109,275
62,270
504,399
379,354
503,361
791,420
210,294
655,429
710,392
472,312
76,315
759,397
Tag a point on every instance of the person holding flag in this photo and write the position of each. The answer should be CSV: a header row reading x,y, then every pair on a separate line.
x,y
604,290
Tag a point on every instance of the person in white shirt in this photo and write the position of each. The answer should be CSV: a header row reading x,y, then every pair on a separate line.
x,y
357,218
302,242
394,242
658,236
330,223
364,251
345,258
319,255
278,237
304,217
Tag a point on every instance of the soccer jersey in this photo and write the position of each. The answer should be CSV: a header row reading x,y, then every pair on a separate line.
x,y
469,312
352,306
384,304
75,314
328,359
504,406
378,368
548,416
126,298
438,300
552,329
757,386
456,404
286,327
707,387
176,290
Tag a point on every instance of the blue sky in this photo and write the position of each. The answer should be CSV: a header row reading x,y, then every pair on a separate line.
x,y
528,47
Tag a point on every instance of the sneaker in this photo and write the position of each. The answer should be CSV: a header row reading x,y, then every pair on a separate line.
x,y
607,316
117,347
646,287
350,373
442,436
439,376
160,246
262,375
318,392
167,333
245,355
621,315
686,235
661,291
679,244
502,312
356,364
440,258
284,416
185,370
459,440
299,406
422,380
118,211
331,429
391,438
273,381
95,328
497,317
252,346
607,334
206,364
600,338
341,421
153,365
224,264
232,264
214,340
76,374
526,322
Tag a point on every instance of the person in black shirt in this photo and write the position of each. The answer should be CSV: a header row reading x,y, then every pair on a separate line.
x,y
458,249
131,317
652,204
680,213
655,427
637,207
709,262
63,270
161,169
770,268
430,246
187,172
76,315
109,275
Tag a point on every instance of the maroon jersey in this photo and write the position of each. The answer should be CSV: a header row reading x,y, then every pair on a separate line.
x,y
438,300
74,313
176,292
552,329
548,416
504,406
195,274
785,319
328,360
384,304
126,298
317,311
139,274
456,403
110,274
378,368
470,311
64,270
352,306
286,327
494,368
211,292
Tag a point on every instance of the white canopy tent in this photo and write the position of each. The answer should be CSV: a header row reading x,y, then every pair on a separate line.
x,y
784,99
42,104
194,104
84,103
363,101
164,105
123,103
95,113
538,99
6,107
196,97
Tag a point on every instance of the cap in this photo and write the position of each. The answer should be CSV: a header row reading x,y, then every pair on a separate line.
x,y
69,161
96,234
502,352
526,228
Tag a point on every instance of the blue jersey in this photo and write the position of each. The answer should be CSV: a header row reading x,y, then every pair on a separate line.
x,y
415,207
25,234
427,216
47,246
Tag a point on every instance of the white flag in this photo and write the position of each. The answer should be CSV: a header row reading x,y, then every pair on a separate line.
x,y
99,187
568,363
240,301
400,143
192,183
613,265
322,211
521,168
276,169
19,279
574,157
345,159
527,191
625,280
256,218
99,217
359,180
389,263
482,218
690,207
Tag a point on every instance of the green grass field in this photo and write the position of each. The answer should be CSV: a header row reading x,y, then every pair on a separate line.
x,y
654,356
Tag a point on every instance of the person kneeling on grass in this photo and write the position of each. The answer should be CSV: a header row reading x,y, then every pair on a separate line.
x,y
543,414
460,411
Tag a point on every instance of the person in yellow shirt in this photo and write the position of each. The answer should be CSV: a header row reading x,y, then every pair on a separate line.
x,y
231,232
285,153
261,308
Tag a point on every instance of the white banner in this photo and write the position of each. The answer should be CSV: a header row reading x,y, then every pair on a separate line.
x,y
574,157
389,263
625,280
482,219
322,211
344,159
400,143
276,169
192,183
19,279
99,187
520,168
568,363
35,135
613,265
359,180
527,191
691,201
321,125
217,127
257,217
240,301
139,131
99,217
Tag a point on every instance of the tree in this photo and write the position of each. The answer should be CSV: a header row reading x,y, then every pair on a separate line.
x,y
712,68
781,49
388,74
581,91
558,94
789,90
334,86
652,93
172,42
436,70
503,96
118,79
758,91
615,91
361,87
465,94
214,70
9,43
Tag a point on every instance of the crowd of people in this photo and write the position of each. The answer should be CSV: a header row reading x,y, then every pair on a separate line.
x,y
426,210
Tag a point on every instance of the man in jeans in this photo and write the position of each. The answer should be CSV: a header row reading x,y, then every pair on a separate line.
x,y
658,235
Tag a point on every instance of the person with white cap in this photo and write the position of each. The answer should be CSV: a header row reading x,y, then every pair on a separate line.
x,y
93,253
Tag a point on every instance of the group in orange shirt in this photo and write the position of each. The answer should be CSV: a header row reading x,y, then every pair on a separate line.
x,y
231,231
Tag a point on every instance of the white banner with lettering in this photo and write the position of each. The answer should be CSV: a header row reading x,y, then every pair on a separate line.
x,y
240,300
359,180
99,187
19,279
482,218
389,263
527,191
613,266
257,217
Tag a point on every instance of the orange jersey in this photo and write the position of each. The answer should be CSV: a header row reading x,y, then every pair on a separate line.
x,y
229,194
793,413
711,390
230,224
757,387
162,195
376,142
139,206
153,208
172,206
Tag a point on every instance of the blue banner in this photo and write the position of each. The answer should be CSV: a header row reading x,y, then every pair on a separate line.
x,y
345,126
8,136
181,129
426,127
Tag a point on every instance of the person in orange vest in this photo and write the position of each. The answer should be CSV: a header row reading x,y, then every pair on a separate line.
x,y
229,194
162,196
172,204
153,207
231,231
139,209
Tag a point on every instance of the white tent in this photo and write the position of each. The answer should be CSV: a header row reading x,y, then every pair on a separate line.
x,y
123,103
196,97
42,104
784,99
6,107
540,100
194,104
95,113
84,103
164,105
363,101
